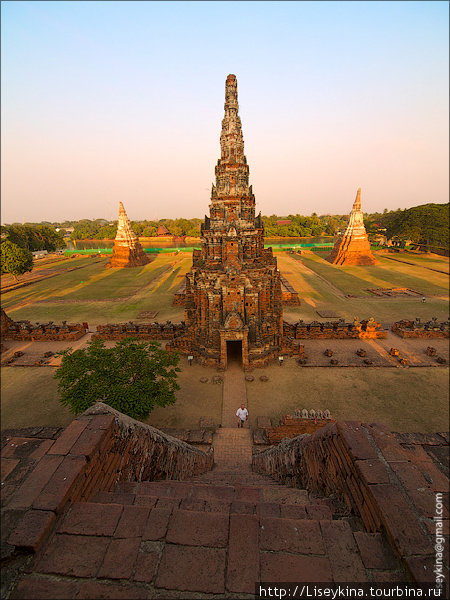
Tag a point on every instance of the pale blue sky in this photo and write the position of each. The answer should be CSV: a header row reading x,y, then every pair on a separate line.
x,y
110,101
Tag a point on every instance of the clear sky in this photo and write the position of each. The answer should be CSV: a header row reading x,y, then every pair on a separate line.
x,y
109,101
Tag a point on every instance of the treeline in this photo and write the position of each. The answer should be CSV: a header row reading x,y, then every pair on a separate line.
x,y
300,226
427,224
98,229
33,237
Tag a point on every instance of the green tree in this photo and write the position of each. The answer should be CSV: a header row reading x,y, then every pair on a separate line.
x,y
34,237
15,260
133,377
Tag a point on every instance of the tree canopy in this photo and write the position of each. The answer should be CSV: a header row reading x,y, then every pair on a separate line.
x,y
427,224
133,377
34,237
15,260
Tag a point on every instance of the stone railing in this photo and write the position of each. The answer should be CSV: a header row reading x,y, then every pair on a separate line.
x,y
98,449
366,329
24,330
417,329
389,486
145,331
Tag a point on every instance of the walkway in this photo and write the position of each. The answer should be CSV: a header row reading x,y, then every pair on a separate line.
x,y
234,393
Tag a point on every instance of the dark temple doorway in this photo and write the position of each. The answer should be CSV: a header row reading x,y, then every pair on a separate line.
x,y
234,352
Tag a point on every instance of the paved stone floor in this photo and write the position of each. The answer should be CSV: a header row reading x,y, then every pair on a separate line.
x,y
234,393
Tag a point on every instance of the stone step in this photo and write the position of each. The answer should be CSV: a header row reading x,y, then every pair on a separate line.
x,y
111,549
213,498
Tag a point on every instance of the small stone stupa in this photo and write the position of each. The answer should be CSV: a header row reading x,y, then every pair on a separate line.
x,y
353,247
127,251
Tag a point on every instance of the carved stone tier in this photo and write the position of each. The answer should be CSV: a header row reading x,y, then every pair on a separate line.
x,y
127,251
353,246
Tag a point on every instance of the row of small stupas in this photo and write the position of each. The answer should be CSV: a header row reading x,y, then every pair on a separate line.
x,y
352,247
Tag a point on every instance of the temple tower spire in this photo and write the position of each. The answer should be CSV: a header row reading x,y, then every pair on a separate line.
x,y
127,251
353,247
233,291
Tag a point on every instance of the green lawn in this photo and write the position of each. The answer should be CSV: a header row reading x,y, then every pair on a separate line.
x,y
356,280
403,399
327,291
68,297
30,398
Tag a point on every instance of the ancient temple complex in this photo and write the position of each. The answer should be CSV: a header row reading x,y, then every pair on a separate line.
x,y
127,251
233,299
352,247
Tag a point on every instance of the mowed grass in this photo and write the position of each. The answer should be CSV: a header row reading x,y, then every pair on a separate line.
x,y
322,287
93,293
404,399
114,283
30,398
355,280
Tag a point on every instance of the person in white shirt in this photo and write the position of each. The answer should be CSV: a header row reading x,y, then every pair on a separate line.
x,y
242,415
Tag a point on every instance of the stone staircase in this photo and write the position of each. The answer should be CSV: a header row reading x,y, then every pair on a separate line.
x,y
203,537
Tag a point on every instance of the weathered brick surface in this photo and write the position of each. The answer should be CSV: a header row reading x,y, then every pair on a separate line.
x,y
379,479
372,471
120,558
198,529
7,466
79,556
157,524
282,567
356,440
190,568
400,522
292,511
67,439
342,551
318,512
374,554
243,554
97,590
43,589
242,508
291,535
90,518
146,564
32,529
35,482
88,442
57,490
132,522
421,568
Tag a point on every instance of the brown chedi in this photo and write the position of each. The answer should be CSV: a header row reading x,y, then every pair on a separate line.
x,y
127,251
233,300
353,247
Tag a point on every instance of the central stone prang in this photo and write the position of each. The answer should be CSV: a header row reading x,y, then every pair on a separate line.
x,y
233,290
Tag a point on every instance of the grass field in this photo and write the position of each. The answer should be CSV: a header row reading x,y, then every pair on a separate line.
x,y
403,399
93,292
323,286
30,398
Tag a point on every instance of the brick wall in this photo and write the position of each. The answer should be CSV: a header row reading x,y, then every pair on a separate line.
x,y
292,427
98,449
147,331
334,330
413,329
44,332
389,485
